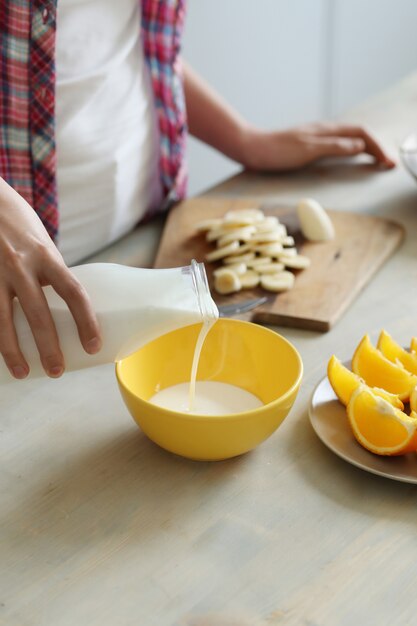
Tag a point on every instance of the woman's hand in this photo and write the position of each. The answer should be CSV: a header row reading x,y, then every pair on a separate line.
x,y
215,122
295,148
29,260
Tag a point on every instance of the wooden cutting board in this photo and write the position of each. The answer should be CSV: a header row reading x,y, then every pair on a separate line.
x,y
339,269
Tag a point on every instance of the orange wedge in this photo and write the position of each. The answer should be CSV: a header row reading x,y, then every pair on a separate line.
x,y
378,371
344,382
395,353
413,400
380,427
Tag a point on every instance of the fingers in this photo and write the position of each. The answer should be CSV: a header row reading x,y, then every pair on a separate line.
x,y
337,147
28,260
9,346
78,302
371,146
35,307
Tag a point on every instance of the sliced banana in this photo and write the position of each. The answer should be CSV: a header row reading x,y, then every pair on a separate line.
x,y
269,224
255,263
298,262
288,252
270,268
249,279
253,248
280,229
216,233
237,268
269,249
273,235
236,234
205,225
278,282
244,216
227,282
221,253
288,241
239,258
243,248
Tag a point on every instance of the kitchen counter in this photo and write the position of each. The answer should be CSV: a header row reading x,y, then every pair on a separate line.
x,y
100,527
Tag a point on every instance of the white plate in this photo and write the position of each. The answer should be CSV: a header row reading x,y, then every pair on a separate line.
x,y
329,420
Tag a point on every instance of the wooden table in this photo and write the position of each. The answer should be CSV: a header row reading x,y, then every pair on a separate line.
x,y
99,527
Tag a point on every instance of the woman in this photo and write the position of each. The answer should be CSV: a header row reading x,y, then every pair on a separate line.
x,y
95,104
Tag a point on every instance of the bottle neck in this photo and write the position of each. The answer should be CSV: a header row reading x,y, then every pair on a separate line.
x,y
207,306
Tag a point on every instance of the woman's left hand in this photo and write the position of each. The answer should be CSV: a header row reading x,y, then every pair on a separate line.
x,y
297,147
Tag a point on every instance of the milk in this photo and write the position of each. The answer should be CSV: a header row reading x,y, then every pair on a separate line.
x,y
133,306
205,329
211,398
205,397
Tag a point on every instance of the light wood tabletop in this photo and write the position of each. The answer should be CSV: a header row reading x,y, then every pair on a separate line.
x,y
100,527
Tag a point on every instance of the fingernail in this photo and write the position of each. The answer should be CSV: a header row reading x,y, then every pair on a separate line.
x,y
387,165
19,371
93,345
56,371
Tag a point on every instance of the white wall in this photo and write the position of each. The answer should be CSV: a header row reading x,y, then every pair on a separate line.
x,y
284,62
374,45
265,57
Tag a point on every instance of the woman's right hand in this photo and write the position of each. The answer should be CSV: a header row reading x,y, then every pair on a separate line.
x,y
29,260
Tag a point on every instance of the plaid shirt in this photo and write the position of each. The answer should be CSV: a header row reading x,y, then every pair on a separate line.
x,y
27,98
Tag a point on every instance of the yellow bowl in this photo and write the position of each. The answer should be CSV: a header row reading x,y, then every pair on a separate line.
x,y
240,353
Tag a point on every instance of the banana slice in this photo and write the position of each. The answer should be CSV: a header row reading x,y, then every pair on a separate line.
x,y
273,235
237,268
255,263
204,225
269,249
278,282
239,258
267,225
270,268
221,253
288,253
215,233
298,262
249,279
288,241
227,282
236,234
244,216
243,248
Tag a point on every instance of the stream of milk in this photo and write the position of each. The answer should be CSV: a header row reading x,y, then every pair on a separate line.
x,y
205,397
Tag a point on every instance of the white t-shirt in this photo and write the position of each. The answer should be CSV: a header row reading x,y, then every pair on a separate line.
x,y
106,131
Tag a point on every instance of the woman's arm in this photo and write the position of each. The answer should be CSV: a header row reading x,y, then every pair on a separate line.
x,y
216,123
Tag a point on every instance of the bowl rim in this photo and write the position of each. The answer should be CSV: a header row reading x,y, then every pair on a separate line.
x,y
402,149
242,414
